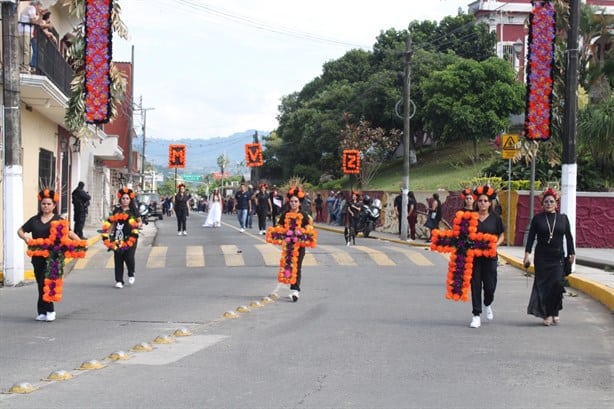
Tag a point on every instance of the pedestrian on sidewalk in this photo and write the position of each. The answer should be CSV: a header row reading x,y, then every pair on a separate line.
x,y
434,215
181,209
39,227
242,205
81,202
263,206
120,234
484,275
548,228
412,214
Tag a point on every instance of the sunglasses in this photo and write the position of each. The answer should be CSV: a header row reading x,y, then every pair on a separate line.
x,y
549,201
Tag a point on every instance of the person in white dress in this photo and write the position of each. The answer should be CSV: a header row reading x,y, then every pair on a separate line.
x,y
214,217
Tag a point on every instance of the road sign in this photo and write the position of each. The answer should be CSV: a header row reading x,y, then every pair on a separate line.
x,y
191,178
509,145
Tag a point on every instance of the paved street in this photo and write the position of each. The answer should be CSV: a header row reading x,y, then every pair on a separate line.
x,y
372,329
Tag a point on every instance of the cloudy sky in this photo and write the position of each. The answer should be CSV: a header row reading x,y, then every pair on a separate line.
x,y
211,68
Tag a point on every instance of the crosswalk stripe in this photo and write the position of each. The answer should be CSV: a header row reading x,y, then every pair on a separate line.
x,y
232,256
110,262
377,256
341,257
82,262
157,257
194,256
414,256
270,254
309,259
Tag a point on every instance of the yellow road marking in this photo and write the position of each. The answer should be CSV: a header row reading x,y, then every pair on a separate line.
x,y
414,256
341,257
377,256
82,262
270,254
231,255
157,257
194,256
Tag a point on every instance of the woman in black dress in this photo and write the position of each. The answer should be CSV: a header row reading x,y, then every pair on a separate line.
x,y
181,209
549,228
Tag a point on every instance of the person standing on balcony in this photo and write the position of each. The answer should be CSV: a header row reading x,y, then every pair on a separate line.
x,y
28,18
80,201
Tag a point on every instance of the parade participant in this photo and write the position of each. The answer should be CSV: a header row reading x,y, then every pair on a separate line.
x,y
242,205
468,199
263,206
549,228
484,274
434,214
294,232
214,215
120,234
42,233
181,209
277,202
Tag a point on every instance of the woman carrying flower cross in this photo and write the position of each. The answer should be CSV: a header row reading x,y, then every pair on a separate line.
x,y
43,232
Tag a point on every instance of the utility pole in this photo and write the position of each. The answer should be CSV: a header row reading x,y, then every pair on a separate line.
x,y
255,174
131,132
406,136
144,130
569,171
12,251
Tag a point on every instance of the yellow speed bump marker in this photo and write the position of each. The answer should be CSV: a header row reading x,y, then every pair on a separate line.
x,y
60,375
231,314
164,339
119,356
256,304
22,387
266,300
142,347
92,364
182,332
274,296
243,308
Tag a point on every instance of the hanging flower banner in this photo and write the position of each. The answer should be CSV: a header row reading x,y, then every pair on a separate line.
x,y
113,232
176,156
291,236
98,54
540,82
253,155
56,249
465,243
351,161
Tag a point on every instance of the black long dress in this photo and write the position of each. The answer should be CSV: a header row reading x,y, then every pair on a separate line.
x,y
548,287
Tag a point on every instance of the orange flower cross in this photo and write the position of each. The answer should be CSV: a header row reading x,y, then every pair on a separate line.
x,y
465,243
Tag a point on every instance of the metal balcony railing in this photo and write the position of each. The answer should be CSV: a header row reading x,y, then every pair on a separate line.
x,y
45,58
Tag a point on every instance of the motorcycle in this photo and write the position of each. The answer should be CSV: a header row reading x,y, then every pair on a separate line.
x,y
366,221
144,211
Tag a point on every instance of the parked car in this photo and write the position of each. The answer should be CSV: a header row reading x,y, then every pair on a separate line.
x,y
153,203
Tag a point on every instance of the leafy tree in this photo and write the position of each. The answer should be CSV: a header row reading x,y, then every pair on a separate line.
x,y
374,144
470,99
596,132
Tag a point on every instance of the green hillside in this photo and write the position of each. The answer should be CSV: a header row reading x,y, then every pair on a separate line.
x,y
445,167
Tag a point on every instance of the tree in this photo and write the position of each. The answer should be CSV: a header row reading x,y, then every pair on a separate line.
x,y
375,145
471,99
596,132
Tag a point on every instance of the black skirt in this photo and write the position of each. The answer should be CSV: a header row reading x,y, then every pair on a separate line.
x,y
547,294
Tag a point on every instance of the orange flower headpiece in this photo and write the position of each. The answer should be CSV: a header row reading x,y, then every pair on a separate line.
x,y
125,191
263,185
466,193
179,186
550,192
485,190
296,191
48,194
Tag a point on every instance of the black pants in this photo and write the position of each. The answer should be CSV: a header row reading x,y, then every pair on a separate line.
x,y
124,256
301,255
79,223
181,215
262,219
484,276
39,264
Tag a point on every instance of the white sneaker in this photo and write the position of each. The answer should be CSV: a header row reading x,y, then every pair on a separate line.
x,y
41,317
185,233
294,295
475,322
242,230
178,233
489,313
119,285
130,280
50,316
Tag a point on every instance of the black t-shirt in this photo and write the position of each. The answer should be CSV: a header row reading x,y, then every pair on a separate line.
x,y
39,229
492,224
123,229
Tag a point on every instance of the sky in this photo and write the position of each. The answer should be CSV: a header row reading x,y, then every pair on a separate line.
x,y
211,68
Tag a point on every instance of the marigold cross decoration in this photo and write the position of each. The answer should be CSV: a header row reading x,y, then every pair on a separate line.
x,y
56,249
291,236
465,243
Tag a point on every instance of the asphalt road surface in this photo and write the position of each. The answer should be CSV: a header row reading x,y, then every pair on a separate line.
x,y
372,329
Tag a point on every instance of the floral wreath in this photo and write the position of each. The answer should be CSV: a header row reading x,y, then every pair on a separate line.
x,y
108,230
56,249
126,191
466,193
465,243
296,191
48,194
485,190
550,192
291,236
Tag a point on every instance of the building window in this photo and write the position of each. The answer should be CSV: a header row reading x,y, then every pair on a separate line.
x,y
508,53
46,170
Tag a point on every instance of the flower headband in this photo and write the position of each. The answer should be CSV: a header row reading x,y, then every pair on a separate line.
x,y
263,185
296,191
550,192
48,194
125,191
466,193
179,186
485,190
